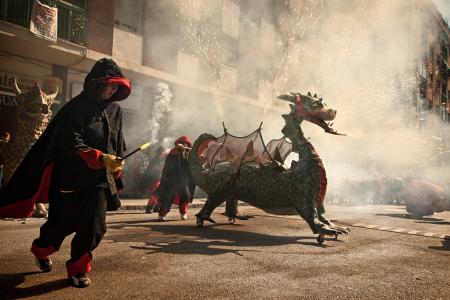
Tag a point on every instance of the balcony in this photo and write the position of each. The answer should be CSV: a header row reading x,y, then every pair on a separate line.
x,y
72,25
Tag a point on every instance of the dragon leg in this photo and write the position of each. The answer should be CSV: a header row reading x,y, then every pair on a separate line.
x,y
323,219
231,210
311,216
212,202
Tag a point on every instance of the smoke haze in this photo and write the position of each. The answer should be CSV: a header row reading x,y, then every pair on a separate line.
x,y
356,54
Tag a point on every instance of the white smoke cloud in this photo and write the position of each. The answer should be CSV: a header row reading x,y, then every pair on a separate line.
x,y
161,108
358,55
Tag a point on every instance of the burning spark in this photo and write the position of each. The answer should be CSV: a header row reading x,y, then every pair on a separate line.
x,y
144,146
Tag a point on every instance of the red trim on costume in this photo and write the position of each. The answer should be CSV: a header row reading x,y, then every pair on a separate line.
x,y
125,86
24,208
152,200
182,208
80,266
176,199
152,188
117,175
92,157
42,253
20,209
184,139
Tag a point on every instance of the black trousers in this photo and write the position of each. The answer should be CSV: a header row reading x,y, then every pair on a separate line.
x,y
167,194
82,212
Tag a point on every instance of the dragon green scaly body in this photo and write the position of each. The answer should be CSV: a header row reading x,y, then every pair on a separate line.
x,y
272,187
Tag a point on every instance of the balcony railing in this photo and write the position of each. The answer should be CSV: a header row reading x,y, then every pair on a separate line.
x,y
72,25
16,11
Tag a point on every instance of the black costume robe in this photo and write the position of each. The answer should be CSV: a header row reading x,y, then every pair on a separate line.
x,y
67,156
176,178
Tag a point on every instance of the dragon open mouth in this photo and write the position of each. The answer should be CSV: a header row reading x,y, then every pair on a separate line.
x,y
322,118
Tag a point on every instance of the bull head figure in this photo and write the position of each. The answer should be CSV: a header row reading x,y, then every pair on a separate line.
x,y
34,104
312,109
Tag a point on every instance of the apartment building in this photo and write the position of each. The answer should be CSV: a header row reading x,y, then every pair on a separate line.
x,y
206,51
433,66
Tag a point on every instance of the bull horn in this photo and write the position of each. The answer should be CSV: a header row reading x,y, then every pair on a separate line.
x,y
53,96
17,91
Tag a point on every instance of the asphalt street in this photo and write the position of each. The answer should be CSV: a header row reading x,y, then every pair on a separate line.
x,y
388,255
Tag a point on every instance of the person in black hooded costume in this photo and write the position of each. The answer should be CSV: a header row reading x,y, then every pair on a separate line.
x,y
75,166
177,184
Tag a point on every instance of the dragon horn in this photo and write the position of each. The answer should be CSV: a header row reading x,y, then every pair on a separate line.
x,y
315,95
286,98
53,96
309,93
17,91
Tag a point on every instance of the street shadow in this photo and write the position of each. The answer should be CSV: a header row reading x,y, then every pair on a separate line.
x,y
437,222
9,286
209,240
124,213
411,217
445,246
152,220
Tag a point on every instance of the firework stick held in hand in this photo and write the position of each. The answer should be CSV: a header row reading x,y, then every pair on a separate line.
x,y
142,147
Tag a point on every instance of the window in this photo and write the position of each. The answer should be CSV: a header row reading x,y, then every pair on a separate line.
x,y
264,91
129,15
267,37
230,19
187,67
196,9
228,79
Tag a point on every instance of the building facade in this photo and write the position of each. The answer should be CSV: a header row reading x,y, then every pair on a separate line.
x,y
208,60
433,66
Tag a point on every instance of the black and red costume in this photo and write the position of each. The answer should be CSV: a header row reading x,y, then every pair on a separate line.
x,y
153,175
65,168
176,182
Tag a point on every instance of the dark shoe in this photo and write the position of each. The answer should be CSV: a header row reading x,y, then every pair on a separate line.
x,y
240,216
44,264
149,209
80,280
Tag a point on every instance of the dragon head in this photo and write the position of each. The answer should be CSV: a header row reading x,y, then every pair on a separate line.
x,y
312,109
34,104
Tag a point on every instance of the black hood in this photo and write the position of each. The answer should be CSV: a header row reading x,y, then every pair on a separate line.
x,y
107,71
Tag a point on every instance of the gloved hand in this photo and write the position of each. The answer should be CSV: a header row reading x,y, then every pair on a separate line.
x,y
113,163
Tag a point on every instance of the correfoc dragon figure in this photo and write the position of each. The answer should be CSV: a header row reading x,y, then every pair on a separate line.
x,y
270,186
